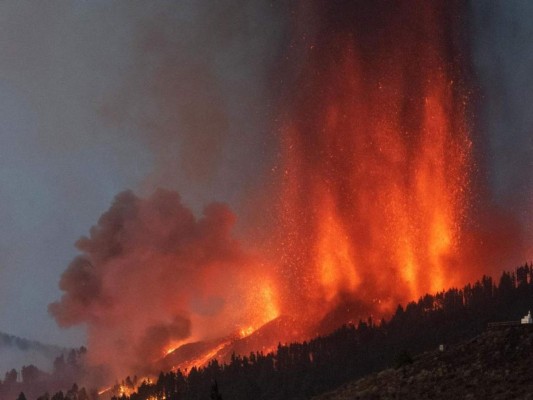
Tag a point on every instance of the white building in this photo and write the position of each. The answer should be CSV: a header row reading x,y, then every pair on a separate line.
x,y
527,319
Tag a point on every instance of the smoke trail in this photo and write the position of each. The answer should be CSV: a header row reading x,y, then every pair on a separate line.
x,y
185,94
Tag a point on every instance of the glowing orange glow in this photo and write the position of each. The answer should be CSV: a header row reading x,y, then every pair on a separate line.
x,y
375,171
105,390
369,198
246,331
334,258
375,157
203,359
171,347
262,304
119,390
268,300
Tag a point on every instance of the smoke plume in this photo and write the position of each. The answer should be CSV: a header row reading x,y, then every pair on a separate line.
x,y
148,270
187,95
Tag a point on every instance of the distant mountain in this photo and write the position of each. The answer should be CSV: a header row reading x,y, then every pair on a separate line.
x,y
16,352
494,365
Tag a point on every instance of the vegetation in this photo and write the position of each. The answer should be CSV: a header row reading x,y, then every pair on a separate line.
x,y
33,383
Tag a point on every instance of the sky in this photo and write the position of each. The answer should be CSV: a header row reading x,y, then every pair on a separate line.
x,y
98,97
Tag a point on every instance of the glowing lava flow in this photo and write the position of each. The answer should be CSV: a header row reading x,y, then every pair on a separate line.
x,y
244,332
203,359
375,164
172,347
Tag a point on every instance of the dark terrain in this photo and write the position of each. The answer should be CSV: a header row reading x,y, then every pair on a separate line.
x,y
498,364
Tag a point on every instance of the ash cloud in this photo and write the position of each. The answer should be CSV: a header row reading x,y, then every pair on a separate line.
x,y
142,272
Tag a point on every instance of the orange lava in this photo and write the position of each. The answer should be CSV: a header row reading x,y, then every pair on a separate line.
x,y
172,347
203,359
375,163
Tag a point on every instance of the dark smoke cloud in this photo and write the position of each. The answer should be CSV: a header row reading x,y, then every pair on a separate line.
x,y
151,274
59,61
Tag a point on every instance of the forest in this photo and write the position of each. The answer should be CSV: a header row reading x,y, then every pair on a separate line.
x,y
302,370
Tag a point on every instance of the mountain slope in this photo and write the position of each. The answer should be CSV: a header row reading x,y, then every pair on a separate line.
x,y
496,364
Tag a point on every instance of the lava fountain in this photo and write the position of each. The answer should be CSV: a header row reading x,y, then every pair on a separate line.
x,y
376,156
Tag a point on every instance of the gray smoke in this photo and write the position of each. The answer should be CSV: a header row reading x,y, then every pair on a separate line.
x,y
197,92
151,274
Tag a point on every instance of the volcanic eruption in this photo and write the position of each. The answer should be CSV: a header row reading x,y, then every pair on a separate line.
x,y
371,202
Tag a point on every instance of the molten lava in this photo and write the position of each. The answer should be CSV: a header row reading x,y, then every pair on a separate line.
x,y
376,157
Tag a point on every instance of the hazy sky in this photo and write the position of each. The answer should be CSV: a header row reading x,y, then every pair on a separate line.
x,y
97,97
60,164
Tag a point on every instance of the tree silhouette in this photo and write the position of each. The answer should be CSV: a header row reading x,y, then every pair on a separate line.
x,y
11,377
30,374
215,395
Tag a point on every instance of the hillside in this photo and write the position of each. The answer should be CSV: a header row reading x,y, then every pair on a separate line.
x,y
496,364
